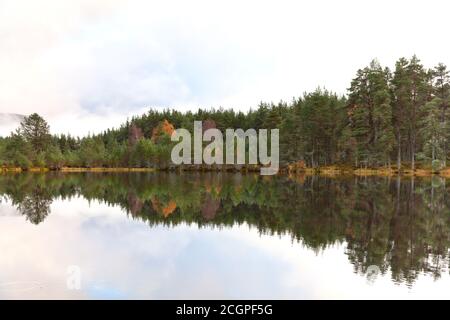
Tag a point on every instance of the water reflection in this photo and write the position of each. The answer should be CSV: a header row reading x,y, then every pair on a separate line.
x,y
399,225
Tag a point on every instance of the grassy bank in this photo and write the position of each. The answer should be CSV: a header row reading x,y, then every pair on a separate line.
x,y
67,169
107,169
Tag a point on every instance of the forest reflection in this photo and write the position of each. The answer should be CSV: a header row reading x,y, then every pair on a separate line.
x,y
401,225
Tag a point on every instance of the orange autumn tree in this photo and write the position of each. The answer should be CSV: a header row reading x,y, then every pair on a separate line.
x,y
163,128
161,139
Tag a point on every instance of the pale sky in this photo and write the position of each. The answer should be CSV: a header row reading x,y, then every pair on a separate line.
x,y
86,65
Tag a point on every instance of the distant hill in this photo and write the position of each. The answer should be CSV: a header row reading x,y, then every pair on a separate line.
x,y
9,122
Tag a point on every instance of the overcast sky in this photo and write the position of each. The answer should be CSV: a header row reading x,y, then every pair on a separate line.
x,y
86,65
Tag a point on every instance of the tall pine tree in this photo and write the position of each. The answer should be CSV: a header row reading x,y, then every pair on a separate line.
x,y
370,115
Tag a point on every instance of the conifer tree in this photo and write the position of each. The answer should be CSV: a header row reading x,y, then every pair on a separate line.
x,y
433,130
292,141
371,115
441,85
419,94
36,131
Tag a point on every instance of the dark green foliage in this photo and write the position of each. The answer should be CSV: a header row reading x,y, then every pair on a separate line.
x,y
35,130
370,115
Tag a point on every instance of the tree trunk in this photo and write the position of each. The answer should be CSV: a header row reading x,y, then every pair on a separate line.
x,y
433,153
399,155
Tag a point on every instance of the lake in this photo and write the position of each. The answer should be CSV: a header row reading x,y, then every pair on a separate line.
x,y
224,236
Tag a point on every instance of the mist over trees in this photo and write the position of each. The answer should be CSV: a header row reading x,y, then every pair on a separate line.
x,y
390,118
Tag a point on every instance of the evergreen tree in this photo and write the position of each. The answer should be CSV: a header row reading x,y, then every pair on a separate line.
x,y
321,113
400,92
419,92
371,115
36,131
273,119
411,90
433,130
292,141
441,85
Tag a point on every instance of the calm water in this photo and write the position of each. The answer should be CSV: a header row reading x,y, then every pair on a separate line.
x,y
155,236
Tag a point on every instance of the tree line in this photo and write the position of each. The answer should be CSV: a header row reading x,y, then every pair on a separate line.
x,y
389,118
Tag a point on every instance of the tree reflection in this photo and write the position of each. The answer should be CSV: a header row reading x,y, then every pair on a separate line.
x,y
398,225
35,206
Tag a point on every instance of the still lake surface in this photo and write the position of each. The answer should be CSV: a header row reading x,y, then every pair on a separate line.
x,y
231,236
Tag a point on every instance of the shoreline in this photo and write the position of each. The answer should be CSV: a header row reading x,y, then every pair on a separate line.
x,y
322,171
68,169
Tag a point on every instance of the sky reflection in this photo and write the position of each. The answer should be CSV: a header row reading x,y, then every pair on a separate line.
x,y
121,258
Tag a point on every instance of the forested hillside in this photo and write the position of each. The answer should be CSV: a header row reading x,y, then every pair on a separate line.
x,y
389,118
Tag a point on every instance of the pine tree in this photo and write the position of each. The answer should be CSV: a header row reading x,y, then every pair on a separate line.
x,y
433,130
441,85
321,113
36,131
400,84
371,115
273,119
419,92
291,139
411,90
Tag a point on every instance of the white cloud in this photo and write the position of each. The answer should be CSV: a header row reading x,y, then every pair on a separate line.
x,y
114,58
